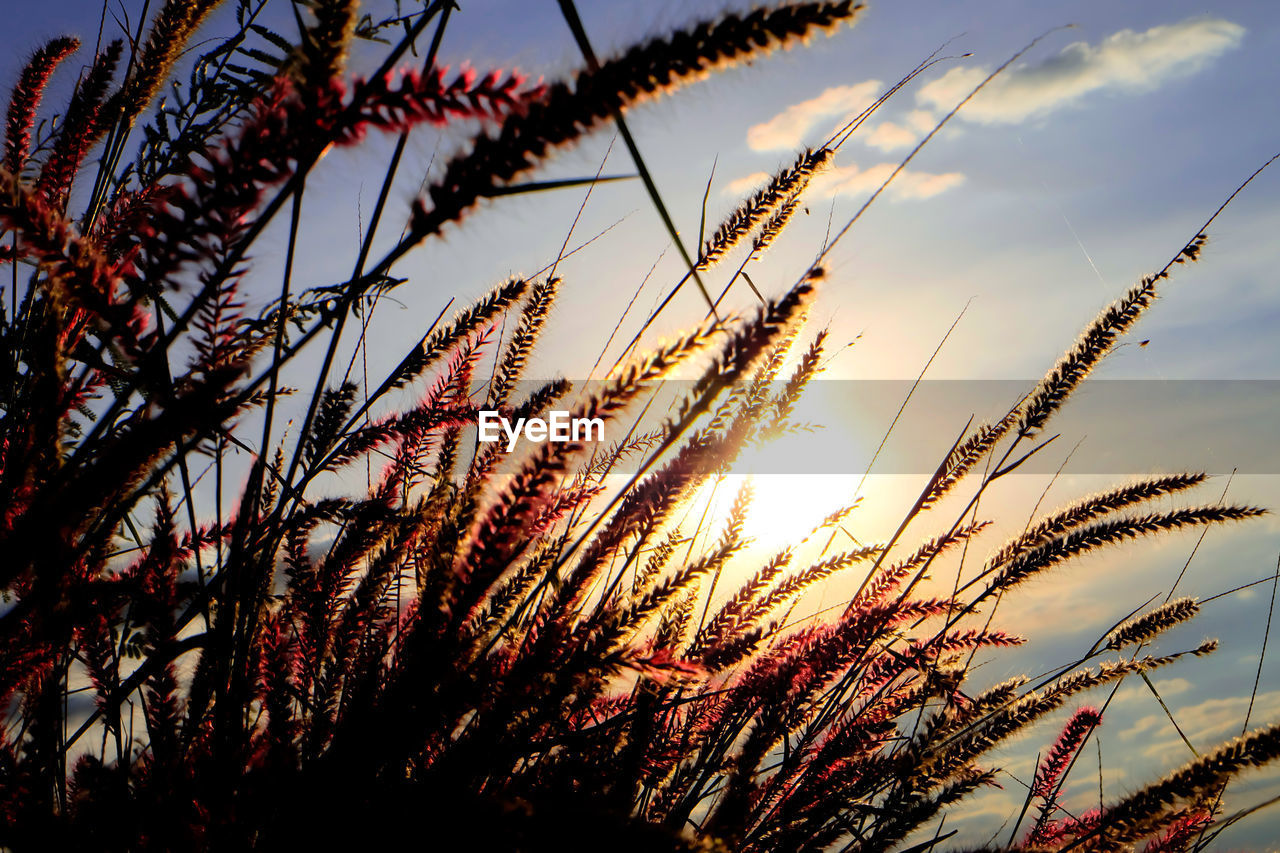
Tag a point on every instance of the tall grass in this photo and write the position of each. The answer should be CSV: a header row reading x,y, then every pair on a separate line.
x,y
513,644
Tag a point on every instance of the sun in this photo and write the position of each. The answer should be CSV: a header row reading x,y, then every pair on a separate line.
x,y
789,499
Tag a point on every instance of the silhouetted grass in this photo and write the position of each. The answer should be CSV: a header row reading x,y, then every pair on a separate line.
x,y
507,643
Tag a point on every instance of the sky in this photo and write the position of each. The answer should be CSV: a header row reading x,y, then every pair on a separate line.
x,y
1089,161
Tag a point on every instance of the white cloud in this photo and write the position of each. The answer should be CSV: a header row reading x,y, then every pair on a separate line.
x,y
892,136
1122,61
1206,724
888,136
742,186
910,184
1164,686
787,129
922,120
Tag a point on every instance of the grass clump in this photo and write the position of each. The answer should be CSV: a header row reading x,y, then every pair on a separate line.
x,y
511,643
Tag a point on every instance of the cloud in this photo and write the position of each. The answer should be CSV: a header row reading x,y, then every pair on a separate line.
x,y
910,184
891,136
888,136
787,129
922,120
1206,724
1123,61
742,186
1164,686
